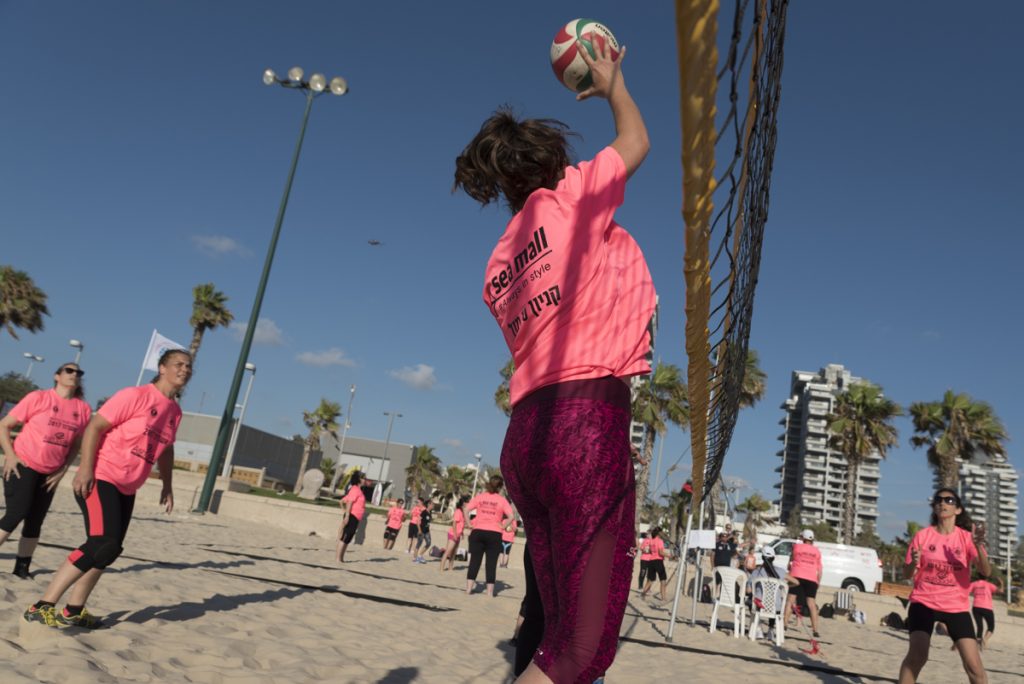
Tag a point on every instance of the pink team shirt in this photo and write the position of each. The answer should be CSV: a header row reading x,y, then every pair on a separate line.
x,y
805,562
568,286
396,514
490,509
145,422
417,510
50,425
509,535
357,501
458,524
943,578
645,549
982,591
657,549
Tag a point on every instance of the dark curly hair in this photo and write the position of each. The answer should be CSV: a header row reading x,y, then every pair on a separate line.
x,y
512,158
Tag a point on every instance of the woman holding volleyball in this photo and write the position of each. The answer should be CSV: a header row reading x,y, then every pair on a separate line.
x,y
131,432
570,291
52,424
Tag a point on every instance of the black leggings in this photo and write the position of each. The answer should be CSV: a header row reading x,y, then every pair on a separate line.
x,y
988,616
27,500
532,611
107,513
481,542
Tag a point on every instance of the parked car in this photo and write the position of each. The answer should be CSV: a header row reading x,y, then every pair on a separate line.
x,y
850,567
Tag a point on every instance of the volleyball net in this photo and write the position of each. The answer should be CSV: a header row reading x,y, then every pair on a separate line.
x,y
728,114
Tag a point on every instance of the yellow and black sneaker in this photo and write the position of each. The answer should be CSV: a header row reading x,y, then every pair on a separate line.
x,y
46,615
85,620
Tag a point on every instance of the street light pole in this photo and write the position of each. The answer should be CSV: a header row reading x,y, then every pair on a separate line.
x,y
79,346
32,358
238,425
476,475
314,87
344,433
387,441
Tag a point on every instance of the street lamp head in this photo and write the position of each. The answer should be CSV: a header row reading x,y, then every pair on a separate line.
x,y
317,83
295,74
76,344
269,77
28,356
339,86
250,367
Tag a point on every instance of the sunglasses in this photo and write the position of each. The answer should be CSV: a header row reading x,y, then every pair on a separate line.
x,y
73,371
951,500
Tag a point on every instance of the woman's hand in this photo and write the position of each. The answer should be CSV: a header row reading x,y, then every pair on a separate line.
x,y
604,71
979,535
54,478
11,463
84,482
167,499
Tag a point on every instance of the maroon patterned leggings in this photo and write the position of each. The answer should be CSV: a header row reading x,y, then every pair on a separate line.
x,y
567,466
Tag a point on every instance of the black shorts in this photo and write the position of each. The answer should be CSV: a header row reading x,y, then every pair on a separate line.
x,y
986,615
921,618
390,533
414,530
656,567
806,589
350,529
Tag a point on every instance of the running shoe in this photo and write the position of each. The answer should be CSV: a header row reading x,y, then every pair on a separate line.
x,y
84,620
45,615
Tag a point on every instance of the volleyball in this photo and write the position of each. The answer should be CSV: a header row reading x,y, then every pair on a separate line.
x,y
566,62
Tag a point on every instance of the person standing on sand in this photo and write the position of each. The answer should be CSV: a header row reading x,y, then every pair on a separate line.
x,y
414,523
508,536
571,292
455,534
423,540
982,609
132,431
804,577
492,510
656,564
939,560
52,423
353,505
396,514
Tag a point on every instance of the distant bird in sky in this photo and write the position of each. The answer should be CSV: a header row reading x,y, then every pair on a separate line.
x,y
373,243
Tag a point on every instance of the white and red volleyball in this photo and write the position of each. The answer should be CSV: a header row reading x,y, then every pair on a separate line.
x,y
569,67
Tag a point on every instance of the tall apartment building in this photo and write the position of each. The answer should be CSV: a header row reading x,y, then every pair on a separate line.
x,y
989,492
637,434
813,476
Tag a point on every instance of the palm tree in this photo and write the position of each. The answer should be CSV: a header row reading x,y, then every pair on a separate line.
x,y
502,398
323,419
424,471
209,310
455,482
755,381
861,425
22,304
955,429
327,467
660,398
755,507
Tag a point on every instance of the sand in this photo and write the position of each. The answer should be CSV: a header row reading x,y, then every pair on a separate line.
x,y
210,599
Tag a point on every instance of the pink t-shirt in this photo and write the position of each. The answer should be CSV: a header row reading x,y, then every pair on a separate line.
x,y
982,591
657,549
396,514
50,425
490,509
416,511
458,522
805,562
568,286
509,535
145,423
645,549
356,500
943,578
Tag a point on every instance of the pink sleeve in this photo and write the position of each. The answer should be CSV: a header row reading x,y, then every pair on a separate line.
x,y
598,186
119,407
507,509
27,407
473,504
910,548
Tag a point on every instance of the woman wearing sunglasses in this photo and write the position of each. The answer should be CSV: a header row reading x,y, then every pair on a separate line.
x,y
130,433
939,560
52,422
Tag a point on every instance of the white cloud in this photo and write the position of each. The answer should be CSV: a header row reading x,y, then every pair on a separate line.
x,y
267,332
452,442
218,245
421,377
329,357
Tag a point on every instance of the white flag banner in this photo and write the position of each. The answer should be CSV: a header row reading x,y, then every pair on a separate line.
x,y
158,344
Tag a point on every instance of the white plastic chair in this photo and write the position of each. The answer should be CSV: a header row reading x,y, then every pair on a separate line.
x,y
843,602
733,584
771,593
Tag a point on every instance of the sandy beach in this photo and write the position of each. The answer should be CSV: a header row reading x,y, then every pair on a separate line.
x,y
213,599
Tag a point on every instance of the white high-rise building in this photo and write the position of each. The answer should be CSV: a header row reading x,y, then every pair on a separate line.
x,y
637,433
812,475
989,492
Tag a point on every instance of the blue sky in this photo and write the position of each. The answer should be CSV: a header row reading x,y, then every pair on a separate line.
x,y
142,155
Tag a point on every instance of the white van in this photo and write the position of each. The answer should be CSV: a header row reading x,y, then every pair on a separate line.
x,y
850,567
